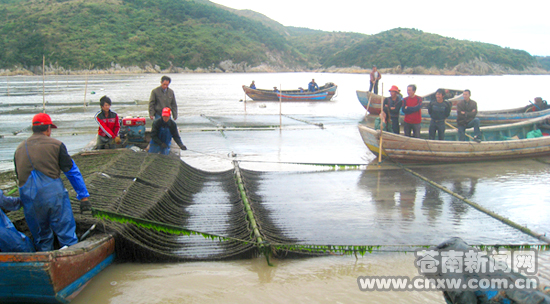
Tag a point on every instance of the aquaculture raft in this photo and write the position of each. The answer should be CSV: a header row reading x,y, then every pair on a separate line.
x,y
161,209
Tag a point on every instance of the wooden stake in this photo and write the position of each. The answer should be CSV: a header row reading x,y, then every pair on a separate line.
x,y
43,85
280,107
85,88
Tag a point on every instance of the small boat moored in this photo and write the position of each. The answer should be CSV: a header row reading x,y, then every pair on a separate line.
x,y
325,93
54,276
375,105
505,141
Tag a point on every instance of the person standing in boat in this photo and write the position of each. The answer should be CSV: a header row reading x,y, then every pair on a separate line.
x,y
39,161
374,78
162,132
109,125
412,105
162,97
392,107
466,111
12,240
253,85
439,109
312,86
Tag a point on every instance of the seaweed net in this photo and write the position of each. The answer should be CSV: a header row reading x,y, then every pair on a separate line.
x,y
161,209
166,190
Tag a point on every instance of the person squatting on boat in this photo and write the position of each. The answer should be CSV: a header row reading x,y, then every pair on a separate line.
x,y
412,106
12,240
39,161
109,125
539,105
162,132
162,97
439,109
392,105
375,76
312,86
253,85
466,111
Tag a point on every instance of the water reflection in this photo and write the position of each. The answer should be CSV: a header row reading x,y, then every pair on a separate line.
x,y
412,210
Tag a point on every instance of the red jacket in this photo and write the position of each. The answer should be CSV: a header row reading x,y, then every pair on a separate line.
x,y
413,113
108,125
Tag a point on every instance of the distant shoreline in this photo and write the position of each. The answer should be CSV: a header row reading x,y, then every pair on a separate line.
x,y
470,69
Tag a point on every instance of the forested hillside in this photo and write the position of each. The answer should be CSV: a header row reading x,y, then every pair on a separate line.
x,y
411,48
77,33
177,35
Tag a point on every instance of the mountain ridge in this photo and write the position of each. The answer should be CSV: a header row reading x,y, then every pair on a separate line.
x,y
136,36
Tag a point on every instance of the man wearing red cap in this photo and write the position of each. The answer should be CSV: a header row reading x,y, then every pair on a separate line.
x,y
39,161
392,107
162,132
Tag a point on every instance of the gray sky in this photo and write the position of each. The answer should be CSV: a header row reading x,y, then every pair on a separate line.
x,y
523,25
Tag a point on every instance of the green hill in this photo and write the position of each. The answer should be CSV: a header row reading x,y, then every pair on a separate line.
x,y
412,48
77,34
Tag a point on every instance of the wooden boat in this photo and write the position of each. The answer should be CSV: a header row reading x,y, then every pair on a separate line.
x,y
499,142
53,276
452,96
325,92
497,117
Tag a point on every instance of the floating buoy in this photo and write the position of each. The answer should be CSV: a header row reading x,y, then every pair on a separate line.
x,y
92,92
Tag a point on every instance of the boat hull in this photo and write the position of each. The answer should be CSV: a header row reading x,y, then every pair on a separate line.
x,y
53,276
325,93
404,149
453,96
487,118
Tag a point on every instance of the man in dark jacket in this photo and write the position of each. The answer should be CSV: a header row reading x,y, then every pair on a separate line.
x,y
162,132
39,161
466,111
392,107
162,97
439,110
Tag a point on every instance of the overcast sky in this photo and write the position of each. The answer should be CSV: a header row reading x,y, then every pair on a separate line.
x,y
523,25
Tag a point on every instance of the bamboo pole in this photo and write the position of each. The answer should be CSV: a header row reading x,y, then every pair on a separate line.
x,y
244,102
43,85
381,128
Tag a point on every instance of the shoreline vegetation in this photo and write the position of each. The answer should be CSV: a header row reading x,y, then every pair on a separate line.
x,y
78,37
473,68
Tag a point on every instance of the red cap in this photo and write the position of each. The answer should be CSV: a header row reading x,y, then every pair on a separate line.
x,y
394,88
166,112
41,119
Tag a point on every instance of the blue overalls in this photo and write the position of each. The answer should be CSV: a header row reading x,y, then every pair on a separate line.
x,y
165,136
12,240
48,208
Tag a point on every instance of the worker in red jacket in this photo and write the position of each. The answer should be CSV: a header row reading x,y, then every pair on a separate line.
x,y
109,125
412,105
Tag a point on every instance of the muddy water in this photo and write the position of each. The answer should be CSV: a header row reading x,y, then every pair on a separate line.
x,y
515,189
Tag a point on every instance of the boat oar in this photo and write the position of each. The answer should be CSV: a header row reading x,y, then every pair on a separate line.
x,y
448,124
